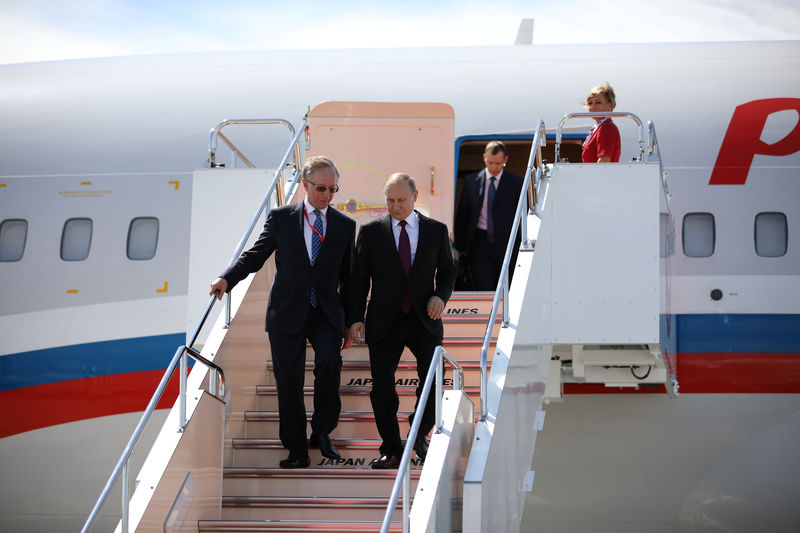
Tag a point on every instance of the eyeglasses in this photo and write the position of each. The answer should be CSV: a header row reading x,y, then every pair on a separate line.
x,y
323,188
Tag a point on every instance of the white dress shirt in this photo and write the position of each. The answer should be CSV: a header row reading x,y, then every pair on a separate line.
x,y
488,181
308,233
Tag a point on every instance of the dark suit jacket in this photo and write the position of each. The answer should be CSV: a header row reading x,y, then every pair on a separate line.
x,y
291,289
469,210
377,260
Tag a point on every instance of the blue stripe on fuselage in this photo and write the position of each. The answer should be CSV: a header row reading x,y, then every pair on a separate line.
x,y
740,333
39,367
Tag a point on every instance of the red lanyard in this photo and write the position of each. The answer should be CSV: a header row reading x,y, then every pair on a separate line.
x,y
310,225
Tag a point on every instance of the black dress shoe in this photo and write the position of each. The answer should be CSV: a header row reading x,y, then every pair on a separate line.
x,y
295,463
421,448
326,448
386,462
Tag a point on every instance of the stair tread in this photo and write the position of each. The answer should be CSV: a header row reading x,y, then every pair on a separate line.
x,y
293,525
265,390
262,442
309,501
349,473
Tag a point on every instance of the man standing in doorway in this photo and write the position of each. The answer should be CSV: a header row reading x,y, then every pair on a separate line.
x,y
405,257
485,218
313,245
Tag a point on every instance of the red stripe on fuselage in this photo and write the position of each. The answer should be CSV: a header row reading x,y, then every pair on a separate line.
x,y
30,408
770,373
719,373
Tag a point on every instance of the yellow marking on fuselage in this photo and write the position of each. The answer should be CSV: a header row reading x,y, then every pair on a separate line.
x,y
176,183
86,183
72,291
166,284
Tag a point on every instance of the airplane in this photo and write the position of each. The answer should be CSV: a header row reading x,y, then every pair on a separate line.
x,y
95,206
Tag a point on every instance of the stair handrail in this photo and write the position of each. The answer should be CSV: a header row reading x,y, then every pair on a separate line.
x,y
123,464
216,133
403,478
570,116
520,215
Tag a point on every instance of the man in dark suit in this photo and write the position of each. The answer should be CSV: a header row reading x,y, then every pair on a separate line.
x,y
485,218
313,245
406,257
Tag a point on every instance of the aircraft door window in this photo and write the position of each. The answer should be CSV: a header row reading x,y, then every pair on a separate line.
x,y
142,238
699,234
771,234
13,234
76,239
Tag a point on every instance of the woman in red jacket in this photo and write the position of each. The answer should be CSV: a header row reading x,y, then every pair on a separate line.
x,y
602,145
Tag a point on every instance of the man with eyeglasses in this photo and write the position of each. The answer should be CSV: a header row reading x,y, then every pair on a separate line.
x,y
313,245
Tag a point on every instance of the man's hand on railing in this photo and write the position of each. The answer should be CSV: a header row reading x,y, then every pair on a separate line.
x,y
218,288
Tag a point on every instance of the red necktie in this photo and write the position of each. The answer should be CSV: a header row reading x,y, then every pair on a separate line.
x,y
404,248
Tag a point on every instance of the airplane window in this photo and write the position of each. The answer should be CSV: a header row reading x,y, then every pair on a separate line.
x,y
698,234
13,234
771,234
142,238
76,239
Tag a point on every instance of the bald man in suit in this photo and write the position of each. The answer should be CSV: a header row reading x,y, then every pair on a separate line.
x,y
313,246
405,258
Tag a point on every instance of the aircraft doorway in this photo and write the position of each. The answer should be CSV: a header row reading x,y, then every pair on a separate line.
x,y
469,160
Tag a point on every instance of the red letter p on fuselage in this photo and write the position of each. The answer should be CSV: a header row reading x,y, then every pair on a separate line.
x,y
743,142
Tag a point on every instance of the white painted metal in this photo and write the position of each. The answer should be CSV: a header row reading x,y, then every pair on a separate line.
x,y
603,222
440,483
503,445
212,242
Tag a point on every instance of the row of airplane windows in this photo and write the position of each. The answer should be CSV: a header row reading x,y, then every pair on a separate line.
x,y
771,237
76,239
698,235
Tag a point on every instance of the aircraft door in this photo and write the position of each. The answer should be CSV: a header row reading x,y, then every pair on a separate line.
x,y
369,141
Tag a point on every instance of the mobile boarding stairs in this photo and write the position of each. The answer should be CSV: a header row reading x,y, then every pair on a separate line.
x,y
586,306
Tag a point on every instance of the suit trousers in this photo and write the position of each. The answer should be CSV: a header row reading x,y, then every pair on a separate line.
x,y
484,262
288,363
384,356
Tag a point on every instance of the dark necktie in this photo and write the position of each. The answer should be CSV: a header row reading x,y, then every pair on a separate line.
x,y
489,206
404,248
316,244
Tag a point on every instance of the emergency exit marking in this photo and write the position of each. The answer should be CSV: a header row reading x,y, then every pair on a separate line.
x,y
164,289
176,183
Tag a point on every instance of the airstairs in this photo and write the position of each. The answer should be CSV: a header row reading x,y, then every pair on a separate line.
x,y
345,495
587,307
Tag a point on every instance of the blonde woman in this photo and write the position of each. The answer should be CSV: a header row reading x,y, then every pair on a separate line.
x,y
602,145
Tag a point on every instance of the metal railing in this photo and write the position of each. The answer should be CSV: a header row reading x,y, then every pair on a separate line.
x,y
216,133
403,478
520,214
180,357
631,116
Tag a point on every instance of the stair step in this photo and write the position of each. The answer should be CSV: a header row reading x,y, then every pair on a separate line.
x,y
354,397
302,508
355,372
461,348
310,482
352,424
268,452
290,526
